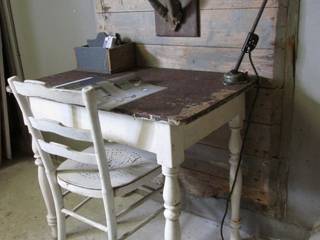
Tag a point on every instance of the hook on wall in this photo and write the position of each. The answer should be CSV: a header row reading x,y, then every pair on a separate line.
x,y
171,11
176,18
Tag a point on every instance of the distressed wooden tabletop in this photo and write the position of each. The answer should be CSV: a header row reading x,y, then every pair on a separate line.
x,y
188,96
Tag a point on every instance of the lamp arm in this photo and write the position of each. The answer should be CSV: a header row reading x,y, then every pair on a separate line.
x,y
234,76
252,39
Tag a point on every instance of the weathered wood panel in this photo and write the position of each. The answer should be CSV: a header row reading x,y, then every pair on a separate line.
x,y
288,97
268,108
213,59
144,5
200,154
205,174
262,141
217,32
202,58
205,182
219,28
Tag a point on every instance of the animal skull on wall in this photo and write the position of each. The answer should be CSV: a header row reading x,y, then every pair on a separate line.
x,y
171,10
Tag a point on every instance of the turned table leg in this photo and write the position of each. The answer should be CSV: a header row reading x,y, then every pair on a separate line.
x,y
235,145
46,192
171,196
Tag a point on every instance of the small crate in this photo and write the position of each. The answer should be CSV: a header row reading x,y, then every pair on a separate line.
x,y
98,59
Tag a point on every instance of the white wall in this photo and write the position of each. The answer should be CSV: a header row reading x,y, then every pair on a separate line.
x,y
48,30
304,173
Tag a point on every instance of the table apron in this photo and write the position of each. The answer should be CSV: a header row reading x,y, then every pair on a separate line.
x,y
167,141
202,127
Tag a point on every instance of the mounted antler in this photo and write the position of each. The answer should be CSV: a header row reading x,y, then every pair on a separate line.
x,y
172,11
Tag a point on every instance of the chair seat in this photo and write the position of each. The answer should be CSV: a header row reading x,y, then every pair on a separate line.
x,y
126,165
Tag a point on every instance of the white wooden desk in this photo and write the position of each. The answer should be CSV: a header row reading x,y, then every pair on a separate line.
x,y
166,123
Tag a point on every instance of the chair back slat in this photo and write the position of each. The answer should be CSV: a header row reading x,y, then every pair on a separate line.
x,y
31,88
47,125
65,152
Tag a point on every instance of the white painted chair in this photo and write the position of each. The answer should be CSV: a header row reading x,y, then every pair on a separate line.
x,y
104,170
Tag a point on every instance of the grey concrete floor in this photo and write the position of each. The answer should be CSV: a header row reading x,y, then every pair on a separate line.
x,y
22,213
316,231
315,237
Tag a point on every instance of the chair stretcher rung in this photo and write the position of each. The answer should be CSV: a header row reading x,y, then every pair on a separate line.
x,y
64,194
140,225
151,188
138,203
85,220
77,207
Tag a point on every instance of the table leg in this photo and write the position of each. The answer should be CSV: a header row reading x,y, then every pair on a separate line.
x,y
46,193
172,198
235,145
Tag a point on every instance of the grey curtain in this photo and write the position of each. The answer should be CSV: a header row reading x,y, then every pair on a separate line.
x,y
12,127
5,141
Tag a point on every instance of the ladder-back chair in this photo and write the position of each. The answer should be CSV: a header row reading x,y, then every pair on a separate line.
x,y
104,170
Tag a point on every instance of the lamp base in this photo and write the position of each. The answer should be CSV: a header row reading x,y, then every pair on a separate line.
x,y
235,77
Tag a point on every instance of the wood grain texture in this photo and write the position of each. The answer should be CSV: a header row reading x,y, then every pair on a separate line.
x,y
213,59
254,168
207,184
205,174
187,94
144,5
262,141
219,28
201,58
268,108
288,100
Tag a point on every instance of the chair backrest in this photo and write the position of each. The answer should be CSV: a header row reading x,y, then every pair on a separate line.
x,y
23,91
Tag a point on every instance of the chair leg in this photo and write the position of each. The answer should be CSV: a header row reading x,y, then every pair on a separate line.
x,y
61,222
108,202
112,225
58,202
46,192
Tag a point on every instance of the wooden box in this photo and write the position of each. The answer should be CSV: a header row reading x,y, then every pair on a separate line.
x,y
98,59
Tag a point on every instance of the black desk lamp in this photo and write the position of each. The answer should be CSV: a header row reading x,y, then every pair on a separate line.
x,y
235,76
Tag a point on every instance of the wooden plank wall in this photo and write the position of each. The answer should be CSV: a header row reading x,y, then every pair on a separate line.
x,y
224,26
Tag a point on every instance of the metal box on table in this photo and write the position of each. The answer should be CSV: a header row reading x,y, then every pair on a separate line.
x,y
98,59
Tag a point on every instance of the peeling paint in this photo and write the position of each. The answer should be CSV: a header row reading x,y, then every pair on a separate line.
x,y
188,95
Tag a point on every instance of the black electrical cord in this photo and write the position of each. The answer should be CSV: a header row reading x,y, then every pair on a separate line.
x,y
258,80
